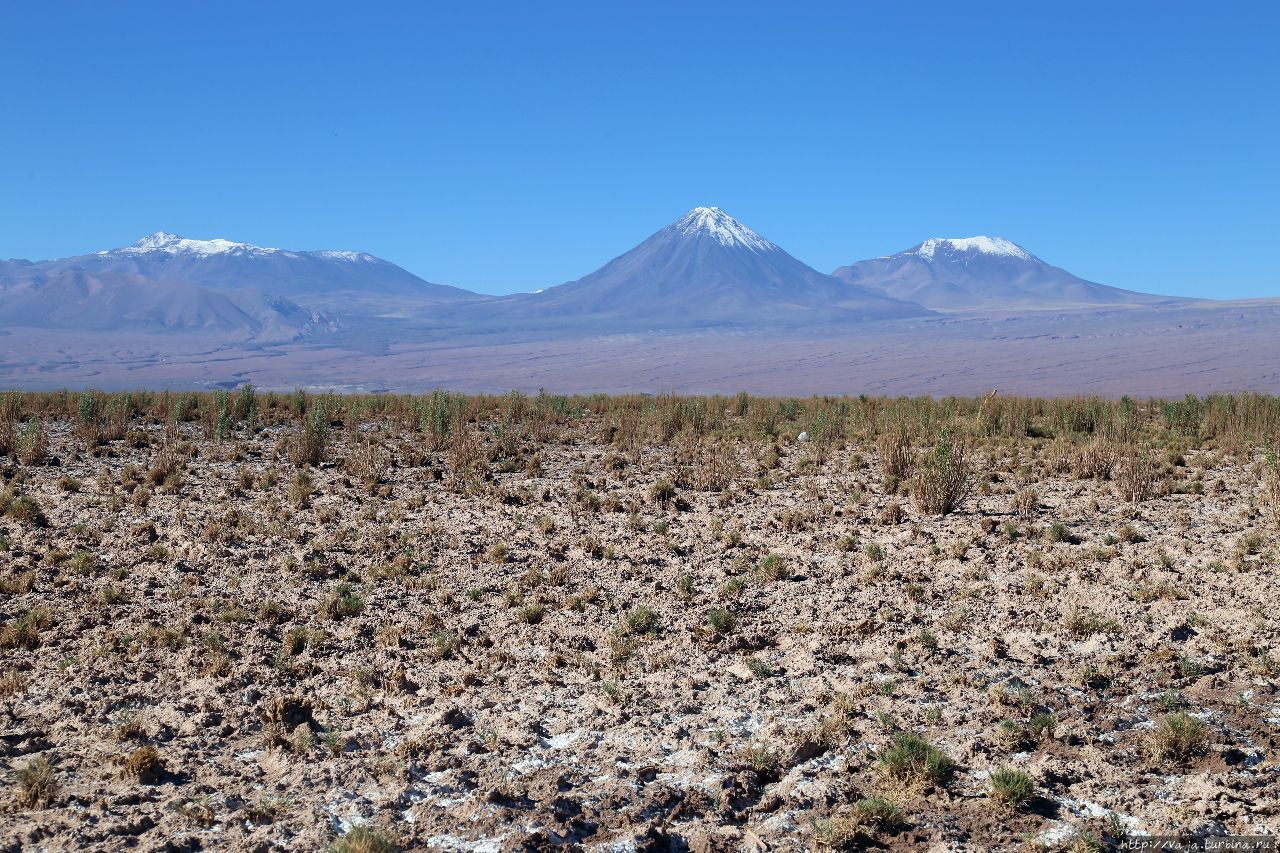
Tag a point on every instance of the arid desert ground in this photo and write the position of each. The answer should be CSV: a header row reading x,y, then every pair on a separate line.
x,y
518,622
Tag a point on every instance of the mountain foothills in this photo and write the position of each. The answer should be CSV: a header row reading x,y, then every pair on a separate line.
x,y
706,270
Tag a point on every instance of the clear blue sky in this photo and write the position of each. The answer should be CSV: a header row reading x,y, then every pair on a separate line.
x,y
512,146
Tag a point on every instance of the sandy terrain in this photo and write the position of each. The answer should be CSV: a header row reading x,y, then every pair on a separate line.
x,y
575,631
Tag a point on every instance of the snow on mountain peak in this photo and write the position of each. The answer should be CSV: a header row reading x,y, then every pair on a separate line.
x,y
721,227
981,245
342,255
172,244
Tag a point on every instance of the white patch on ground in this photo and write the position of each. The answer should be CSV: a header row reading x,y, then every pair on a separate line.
x,y
462,845
622,846
562,741
1058,832
345,814
1089,810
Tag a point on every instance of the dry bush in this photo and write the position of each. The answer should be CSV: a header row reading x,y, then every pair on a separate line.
x,y
943,477
466,455
892,514
896,459
10,413
1096,460
715,466
1025,503
1271,492
165,466
1060,457
309,445
300,490
144,764
37,783
368,462
31,443
1136,474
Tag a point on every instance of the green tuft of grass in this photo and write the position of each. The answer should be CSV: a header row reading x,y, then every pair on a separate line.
x,y
1178,737
365,839
911,757
721,620
1011,787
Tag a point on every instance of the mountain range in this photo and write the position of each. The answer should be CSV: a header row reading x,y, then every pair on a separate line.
x,y
706,270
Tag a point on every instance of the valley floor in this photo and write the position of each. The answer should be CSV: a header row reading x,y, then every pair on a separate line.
x,y
1195,348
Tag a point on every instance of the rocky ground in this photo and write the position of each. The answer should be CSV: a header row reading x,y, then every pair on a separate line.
x,y
607,648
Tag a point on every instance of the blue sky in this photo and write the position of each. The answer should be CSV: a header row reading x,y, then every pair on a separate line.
x,y
512,146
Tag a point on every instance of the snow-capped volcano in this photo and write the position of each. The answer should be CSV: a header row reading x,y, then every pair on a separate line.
x,y
714,223
982,273
705,269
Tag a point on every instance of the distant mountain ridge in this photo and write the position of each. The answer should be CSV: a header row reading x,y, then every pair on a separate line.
x,y
167,283
705,270
961,274
324,279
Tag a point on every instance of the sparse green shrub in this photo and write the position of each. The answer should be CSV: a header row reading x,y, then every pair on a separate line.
x,y
89,419
721,620
533,613
343,602
1083,622
943,477
662,492
879,811
911,757
773,568
311,441
758,668
25,510
1178,737
1059,532
365,839
23,632
643,620
31,443
1011,787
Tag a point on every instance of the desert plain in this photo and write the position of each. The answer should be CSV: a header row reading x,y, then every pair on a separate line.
x,y
535,622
